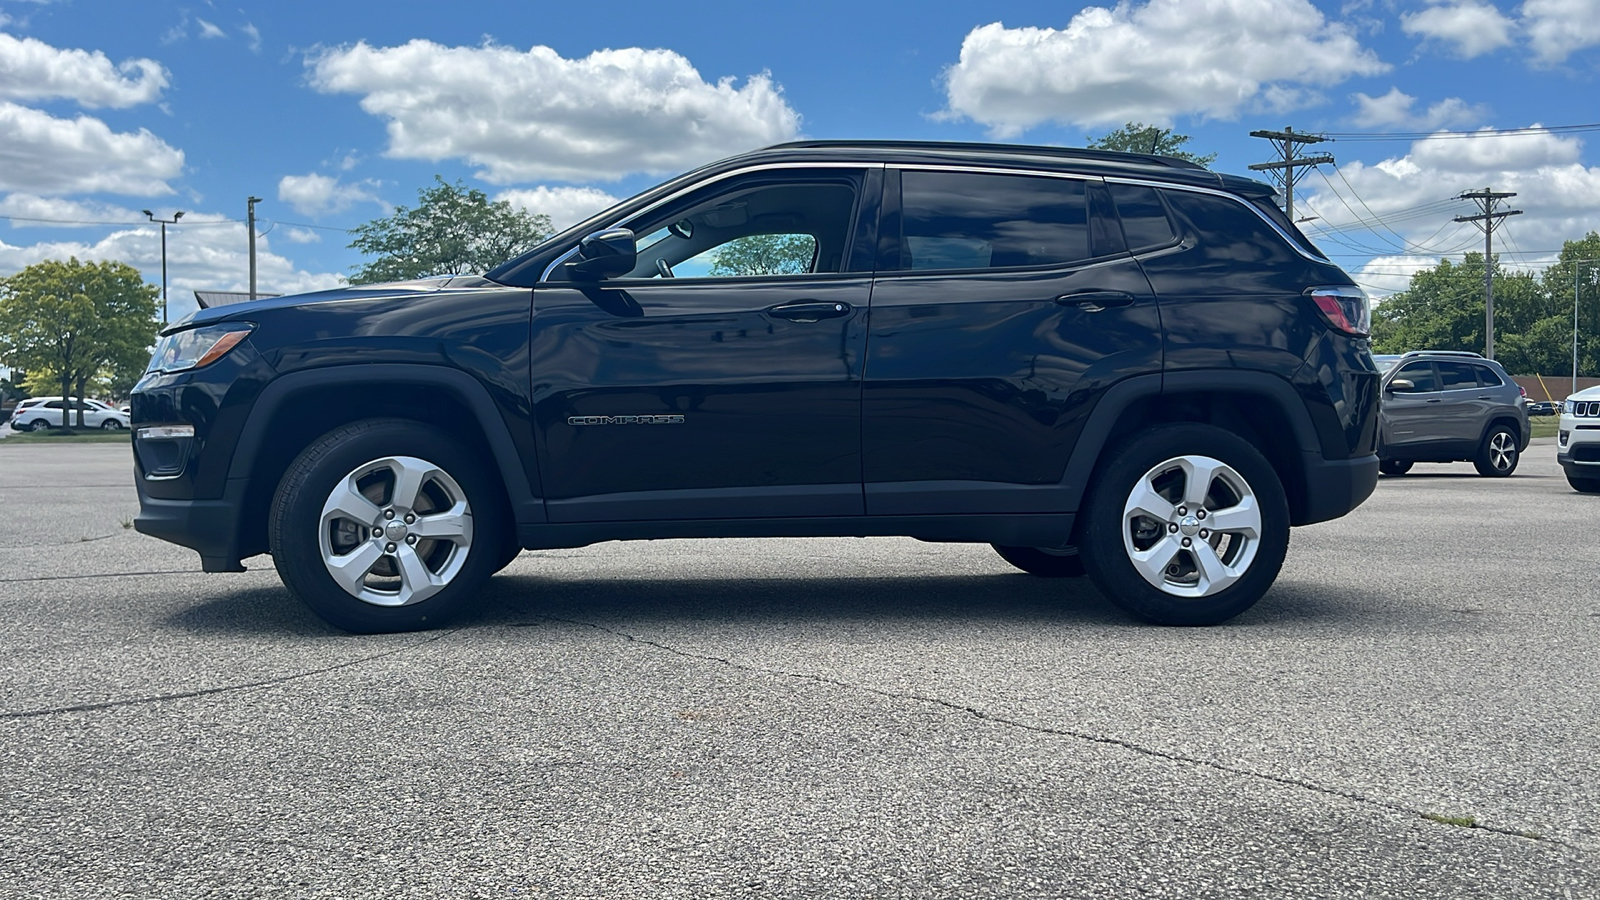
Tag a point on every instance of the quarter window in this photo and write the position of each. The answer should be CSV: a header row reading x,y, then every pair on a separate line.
x,y
972,220
1487,377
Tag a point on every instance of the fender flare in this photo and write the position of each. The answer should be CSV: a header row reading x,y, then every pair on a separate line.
x,y
525,506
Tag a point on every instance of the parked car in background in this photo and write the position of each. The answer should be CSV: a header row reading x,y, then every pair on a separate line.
x,y
46,412
1543,408
1448,406
1578,442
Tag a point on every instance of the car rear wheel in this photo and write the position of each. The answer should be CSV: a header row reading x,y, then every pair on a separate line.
x,y
1497,455
1187,524
1395,466
1043,562
111,425
387,525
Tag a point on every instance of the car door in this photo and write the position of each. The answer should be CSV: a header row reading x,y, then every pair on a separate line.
x,y
1411,414
1003,307
1465,405
721,378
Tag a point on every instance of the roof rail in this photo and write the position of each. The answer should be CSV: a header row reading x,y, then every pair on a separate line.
x,y
1466,353
983,147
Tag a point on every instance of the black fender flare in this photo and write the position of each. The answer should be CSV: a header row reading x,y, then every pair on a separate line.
x,y
1122,395
525,506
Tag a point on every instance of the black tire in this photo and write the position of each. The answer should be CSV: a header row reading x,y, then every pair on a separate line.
x,y
111,425
1197,587
33,426
1584,485
1395,466
369,457
1044,563
1497,453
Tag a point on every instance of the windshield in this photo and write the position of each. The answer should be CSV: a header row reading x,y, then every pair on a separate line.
x,y
1385,362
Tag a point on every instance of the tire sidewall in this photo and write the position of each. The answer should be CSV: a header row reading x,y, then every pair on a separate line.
x,y
1484,463
297,512
1100,531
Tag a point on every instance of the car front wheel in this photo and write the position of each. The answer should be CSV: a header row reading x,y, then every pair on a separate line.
x,y
111,425
1394,466
387,525
1186,524
1497,455
1584,485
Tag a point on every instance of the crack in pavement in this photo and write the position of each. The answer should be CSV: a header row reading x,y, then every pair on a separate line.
x,y
99,575
1069,733
223,689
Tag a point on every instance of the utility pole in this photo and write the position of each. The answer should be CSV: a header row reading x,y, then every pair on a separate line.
x,y
250,204
164,223
1287,143
1487,221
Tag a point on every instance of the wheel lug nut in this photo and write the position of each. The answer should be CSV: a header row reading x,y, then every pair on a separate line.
x,y
411,539
1186,542
410,518
388,514
1205,533
1183,510
1173,527
1200,515
388,548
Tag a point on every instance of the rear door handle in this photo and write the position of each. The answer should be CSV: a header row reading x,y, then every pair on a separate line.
x,y
810,310
1095,301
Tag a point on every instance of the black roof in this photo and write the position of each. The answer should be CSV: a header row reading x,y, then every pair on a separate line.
x,y
969,148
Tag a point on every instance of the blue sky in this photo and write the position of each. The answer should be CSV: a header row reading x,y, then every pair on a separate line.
x,y
334,112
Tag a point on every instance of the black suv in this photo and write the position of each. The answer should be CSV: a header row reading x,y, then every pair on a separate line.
x,y
1102,362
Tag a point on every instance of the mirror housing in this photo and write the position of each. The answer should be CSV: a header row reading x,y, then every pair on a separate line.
x,y
606,254
1402,385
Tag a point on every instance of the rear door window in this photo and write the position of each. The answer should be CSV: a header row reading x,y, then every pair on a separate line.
x,y
975,220
1144,216
1454,376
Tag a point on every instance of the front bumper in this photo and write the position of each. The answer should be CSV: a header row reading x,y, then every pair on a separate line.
x,y
209,527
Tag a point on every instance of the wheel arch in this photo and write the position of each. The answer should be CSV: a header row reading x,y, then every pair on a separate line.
x,y
295,409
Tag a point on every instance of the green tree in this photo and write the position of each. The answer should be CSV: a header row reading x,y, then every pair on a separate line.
x,y
1137,137
451,231
765,254
1573,277
76,321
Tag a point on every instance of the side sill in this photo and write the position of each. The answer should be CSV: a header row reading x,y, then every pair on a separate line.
x,y
1027,530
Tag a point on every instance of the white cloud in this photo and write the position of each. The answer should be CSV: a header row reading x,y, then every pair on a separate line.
x,y
30,69
301,235
1557,28
205,252
566,206
314,195
250,31
30,210
1151,62
1395,108
524,116
1471,27
1385,275
1413,195
210,31
45,155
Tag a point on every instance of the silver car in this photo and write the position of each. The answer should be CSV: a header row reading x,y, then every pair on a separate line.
x,y
1445,406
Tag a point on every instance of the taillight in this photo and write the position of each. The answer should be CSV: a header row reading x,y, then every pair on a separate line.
x,y
1344,307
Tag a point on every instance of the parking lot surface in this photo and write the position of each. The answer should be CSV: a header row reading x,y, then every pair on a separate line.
x,y
1413,711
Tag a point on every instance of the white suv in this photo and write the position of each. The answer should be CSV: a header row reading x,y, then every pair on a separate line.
x,y
45,412
1578,447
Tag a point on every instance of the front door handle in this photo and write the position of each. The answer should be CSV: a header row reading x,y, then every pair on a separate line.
x,y
810,310
1095,301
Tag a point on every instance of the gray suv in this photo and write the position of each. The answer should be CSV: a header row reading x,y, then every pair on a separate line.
x,y
1444,406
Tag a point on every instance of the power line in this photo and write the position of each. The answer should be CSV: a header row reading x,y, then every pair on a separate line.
x,y
1457,135
1287,143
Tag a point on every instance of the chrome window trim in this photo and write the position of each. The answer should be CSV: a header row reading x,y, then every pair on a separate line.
x,y
989,170
1194,189
723,176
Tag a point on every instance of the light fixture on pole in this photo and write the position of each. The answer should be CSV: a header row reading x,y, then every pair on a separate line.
x,y
164,223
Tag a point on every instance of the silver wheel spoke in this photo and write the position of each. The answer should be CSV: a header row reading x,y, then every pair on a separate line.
x,y
351,569
453,525
1242,519
1153,563
346,502
417,582
409,476
1146,502
1200,472
1214,575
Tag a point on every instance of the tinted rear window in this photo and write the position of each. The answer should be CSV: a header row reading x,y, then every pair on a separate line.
x,y
969,220
1488,377
1457,376
1279,218
1144,216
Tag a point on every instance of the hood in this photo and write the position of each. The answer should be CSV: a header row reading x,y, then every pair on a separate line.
x,y
1586,394
348,292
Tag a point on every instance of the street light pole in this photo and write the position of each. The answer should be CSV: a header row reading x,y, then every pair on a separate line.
x,y
1577,266
250,225
164,223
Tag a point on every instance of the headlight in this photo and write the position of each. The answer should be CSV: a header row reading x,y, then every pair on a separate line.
x,y
1566,407
197,347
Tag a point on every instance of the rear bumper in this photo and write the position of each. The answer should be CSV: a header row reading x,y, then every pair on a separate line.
x,y
1334,487
208,527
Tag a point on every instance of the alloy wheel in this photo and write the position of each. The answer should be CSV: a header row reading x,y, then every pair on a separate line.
x,y
1191,526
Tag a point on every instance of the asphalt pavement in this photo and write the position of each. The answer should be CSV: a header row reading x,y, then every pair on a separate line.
x,y
1410,712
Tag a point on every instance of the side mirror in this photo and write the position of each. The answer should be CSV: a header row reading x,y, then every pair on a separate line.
x,y
1401,385
606,254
